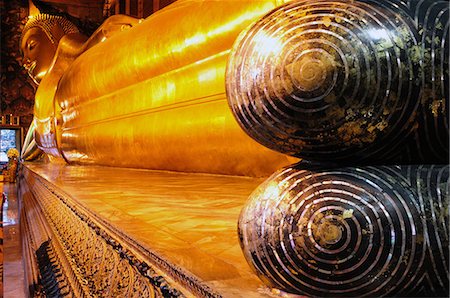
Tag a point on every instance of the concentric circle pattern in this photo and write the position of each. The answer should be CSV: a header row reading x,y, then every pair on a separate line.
x,y
432,135
331,80
433,197
359,231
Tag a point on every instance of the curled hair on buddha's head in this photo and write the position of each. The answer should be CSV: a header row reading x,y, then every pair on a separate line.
x,y
46,22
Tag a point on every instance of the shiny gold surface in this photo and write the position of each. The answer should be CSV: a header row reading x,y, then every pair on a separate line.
x,y
30,150
188,219
154,95
44,109
13,268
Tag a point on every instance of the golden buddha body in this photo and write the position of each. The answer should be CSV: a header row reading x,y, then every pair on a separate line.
x,y
152,96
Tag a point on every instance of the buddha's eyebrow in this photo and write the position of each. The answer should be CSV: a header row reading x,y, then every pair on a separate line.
x,y
27,40
33,36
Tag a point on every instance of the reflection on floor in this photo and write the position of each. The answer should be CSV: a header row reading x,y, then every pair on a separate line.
x,y
189,219
13,274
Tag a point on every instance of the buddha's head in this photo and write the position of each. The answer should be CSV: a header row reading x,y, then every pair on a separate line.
x,y
39,41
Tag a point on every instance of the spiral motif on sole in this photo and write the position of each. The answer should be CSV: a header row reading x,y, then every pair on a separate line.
x,y
327,79
342,232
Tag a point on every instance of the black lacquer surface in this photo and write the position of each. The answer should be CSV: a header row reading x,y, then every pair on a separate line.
x,y
351,232
346,81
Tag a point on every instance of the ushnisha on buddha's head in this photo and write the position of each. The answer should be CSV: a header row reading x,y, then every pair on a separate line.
x,y
39,41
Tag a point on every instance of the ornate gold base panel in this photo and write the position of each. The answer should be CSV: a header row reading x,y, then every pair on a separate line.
x,y
72,252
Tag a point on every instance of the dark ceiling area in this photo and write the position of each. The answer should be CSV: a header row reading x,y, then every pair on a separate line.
x,y
17,89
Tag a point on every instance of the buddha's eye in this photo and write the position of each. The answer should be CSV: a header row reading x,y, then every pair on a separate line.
x,y
31,45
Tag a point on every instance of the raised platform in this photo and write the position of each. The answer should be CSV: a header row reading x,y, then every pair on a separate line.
x,y
184,224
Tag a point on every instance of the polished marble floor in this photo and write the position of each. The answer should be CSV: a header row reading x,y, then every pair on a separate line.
x,y
189,219
13,273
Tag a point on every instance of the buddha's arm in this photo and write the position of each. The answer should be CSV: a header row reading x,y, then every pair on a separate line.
x,y
46,113
110,27
74,44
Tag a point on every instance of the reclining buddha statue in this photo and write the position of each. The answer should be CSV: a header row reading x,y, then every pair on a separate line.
x,y
154,96
144,94
357,89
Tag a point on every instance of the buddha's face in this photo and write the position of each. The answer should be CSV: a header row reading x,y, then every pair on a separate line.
x,y
38,52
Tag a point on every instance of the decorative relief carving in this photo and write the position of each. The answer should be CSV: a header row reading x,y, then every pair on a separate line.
x,y
51,275
47,272
91,258
99,227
